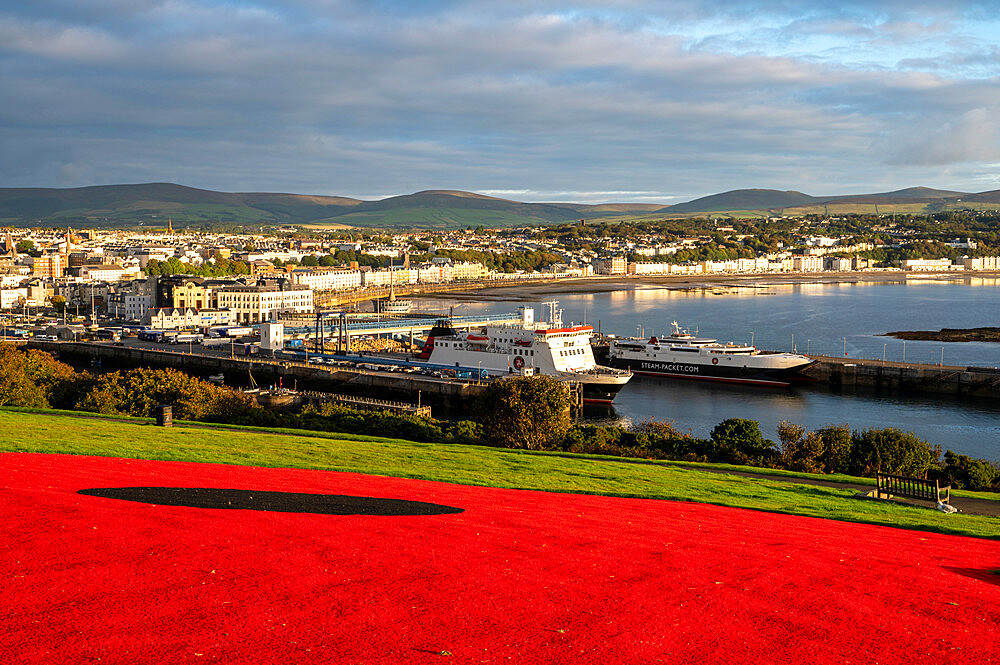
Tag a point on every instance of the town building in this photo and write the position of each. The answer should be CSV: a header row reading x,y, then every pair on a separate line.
x,y
329,280
254,303
48,266
612,265
170,318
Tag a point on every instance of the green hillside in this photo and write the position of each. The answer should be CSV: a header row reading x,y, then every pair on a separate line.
x,y
125,205
152,204
743,199
87,434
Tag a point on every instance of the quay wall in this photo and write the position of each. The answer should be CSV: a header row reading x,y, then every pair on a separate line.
x,y
905,377
451,394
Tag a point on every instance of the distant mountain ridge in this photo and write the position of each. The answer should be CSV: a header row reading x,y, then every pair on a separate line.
x,y
922,199
153,203
744,199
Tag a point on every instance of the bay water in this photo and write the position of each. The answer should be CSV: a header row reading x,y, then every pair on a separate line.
x,y
832,319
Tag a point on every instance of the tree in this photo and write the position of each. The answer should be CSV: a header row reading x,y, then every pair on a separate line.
x,y
138,392
891,450
525,412
739,440
964,472
29,378
59,303
25,247
826,450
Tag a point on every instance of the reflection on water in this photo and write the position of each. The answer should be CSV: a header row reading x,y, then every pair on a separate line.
x,y
831,319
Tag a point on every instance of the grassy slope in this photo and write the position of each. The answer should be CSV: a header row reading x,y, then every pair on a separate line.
x,y
24,431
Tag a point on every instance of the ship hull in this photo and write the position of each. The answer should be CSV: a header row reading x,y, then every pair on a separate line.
x,y
764,377
598,390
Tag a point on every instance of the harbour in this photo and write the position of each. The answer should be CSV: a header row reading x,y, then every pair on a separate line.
x,y
871,381
894,383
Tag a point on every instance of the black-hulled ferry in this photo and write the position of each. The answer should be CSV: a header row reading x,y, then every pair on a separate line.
x,y
681,355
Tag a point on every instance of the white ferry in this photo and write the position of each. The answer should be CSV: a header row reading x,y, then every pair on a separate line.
x,y
684,356
527,348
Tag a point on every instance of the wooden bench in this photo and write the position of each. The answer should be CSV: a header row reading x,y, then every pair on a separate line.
x,y
913,488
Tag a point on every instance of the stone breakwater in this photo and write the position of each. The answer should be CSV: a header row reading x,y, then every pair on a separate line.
x,y
906,377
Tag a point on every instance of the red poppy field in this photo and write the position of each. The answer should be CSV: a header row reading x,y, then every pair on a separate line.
x,y
365,575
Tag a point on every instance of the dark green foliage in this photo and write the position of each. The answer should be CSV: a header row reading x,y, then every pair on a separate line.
x,y
525,412
29,378
964,472
218,268
138,392
651,439
827,450
665,439
331,417
891,451
739,440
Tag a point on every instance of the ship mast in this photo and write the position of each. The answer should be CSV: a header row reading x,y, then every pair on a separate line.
x,y
392,282
555,315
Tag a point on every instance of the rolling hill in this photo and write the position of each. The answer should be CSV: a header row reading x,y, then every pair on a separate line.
x,y
743,199
129,204
111,205
151,204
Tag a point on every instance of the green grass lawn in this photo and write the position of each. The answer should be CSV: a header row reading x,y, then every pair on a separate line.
x,y
79,434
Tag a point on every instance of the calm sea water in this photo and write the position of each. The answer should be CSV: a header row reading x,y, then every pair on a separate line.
x,y
814,318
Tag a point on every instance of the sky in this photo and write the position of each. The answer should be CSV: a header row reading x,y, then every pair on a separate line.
x,y
644,101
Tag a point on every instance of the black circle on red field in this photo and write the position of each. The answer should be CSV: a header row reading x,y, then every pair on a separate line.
x,y
280,502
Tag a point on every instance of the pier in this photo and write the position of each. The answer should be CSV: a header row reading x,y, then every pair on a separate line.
x,y
905,377
425,391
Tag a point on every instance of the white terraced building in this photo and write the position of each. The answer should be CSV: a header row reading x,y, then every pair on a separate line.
x,y
388,276
258,302
329,280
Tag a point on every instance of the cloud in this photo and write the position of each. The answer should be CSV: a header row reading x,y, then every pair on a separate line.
x,y
586,99
74,43
971,137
